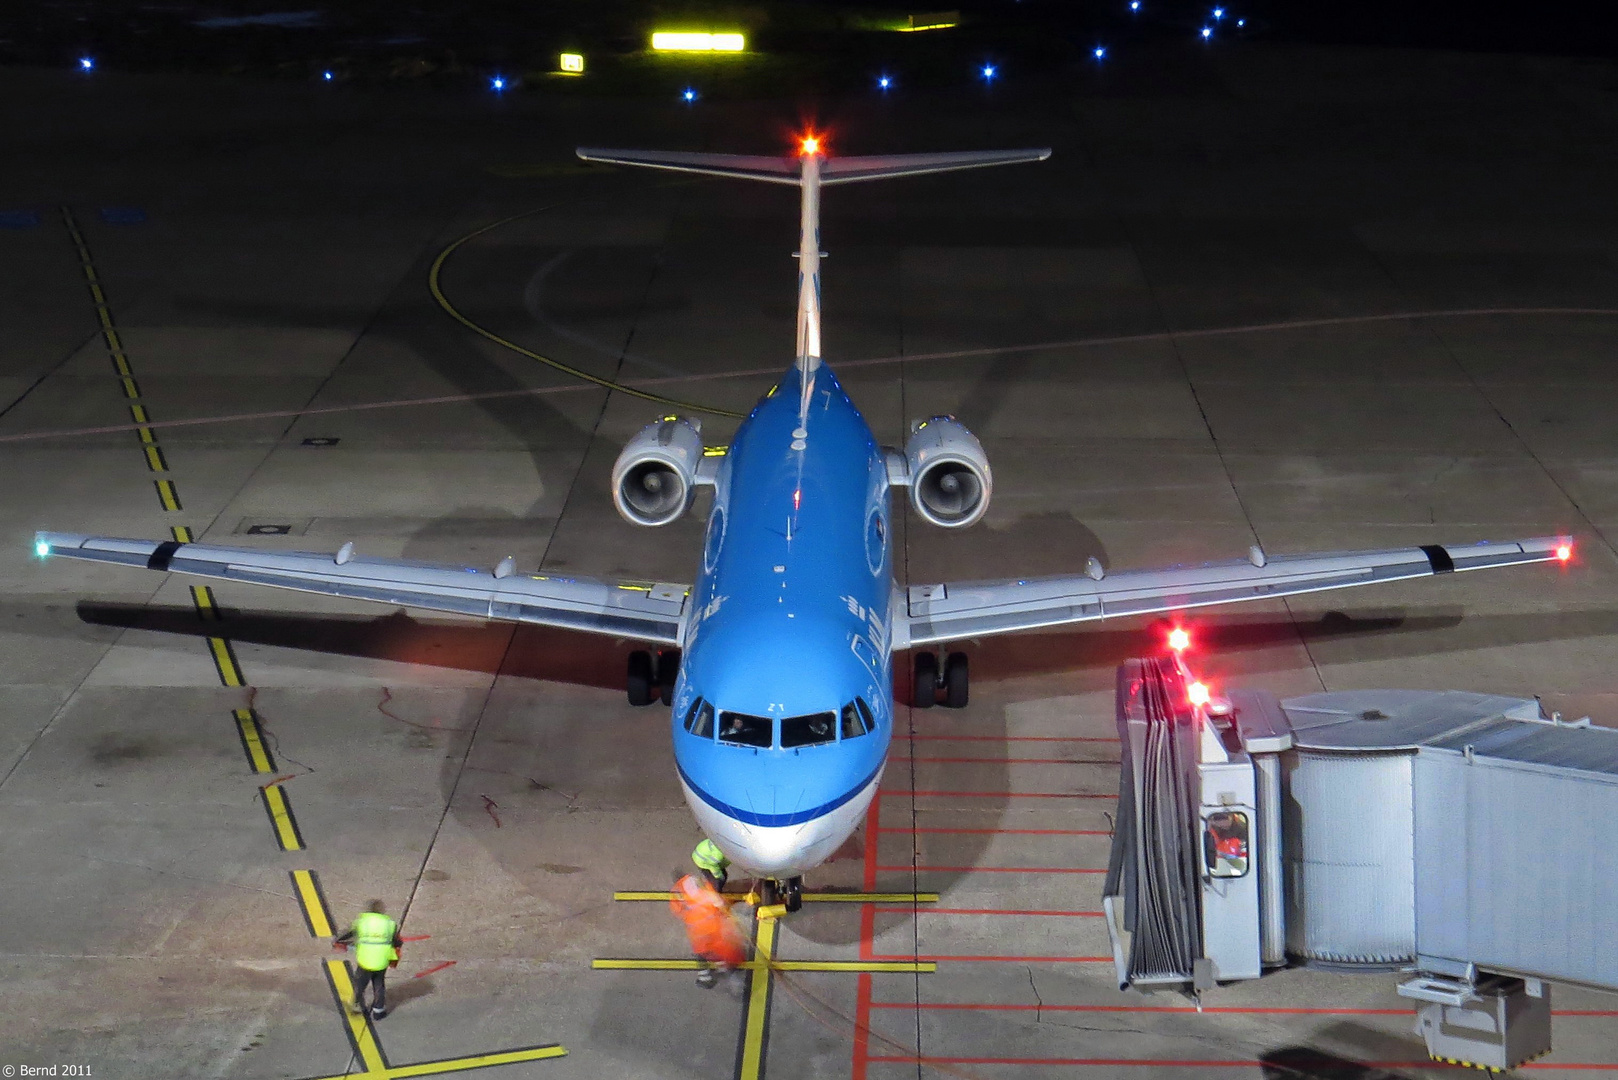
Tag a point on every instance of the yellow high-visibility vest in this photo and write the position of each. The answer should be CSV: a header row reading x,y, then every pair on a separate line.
x,y
373,941
708,857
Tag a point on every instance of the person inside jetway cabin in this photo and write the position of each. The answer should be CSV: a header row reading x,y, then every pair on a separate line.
x,y
716,941
376,941
1225,844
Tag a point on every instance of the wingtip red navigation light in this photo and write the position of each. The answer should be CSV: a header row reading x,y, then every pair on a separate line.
x,y
1564,551
1179,639
1198,693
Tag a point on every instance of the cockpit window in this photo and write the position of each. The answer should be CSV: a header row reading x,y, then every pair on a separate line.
x,y
699,719
811,730
739,729
856,718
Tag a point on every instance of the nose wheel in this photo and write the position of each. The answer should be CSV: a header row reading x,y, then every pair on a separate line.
x,y
788,893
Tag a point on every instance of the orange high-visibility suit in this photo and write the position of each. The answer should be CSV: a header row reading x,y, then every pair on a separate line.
x,y
714,935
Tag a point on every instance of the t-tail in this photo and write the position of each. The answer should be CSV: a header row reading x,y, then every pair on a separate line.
x,y
810,170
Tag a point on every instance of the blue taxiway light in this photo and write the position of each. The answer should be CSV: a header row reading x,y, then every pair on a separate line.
x,y
326,75
1207,32
1134,5
884,82
1241,22
689,94
1218,13
1100,52
86,64
497,83
988,71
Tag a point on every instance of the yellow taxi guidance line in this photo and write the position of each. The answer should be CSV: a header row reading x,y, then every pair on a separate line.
x,y
479,1061
361,1035
822,898
258,755
756,1023
316,913
281,819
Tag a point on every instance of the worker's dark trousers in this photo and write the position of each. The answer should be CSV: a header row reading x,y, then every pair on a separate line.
x,y
376,979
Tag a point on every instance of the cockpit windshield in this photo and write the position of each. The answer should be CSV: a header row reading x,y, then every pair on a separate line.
x,y
811,730
739,729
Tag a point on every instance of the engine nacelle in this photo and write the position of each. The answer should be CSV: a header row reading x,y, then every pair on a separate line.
x,y
949,473
655,477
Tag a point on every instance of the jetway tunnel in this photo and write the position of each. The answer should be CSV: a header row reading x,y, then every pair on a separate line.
x,y
1458,839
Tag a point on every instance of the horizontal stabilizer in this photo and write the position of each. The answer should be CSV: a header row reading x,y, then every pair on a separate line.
x,y
846,170
777,170
833,170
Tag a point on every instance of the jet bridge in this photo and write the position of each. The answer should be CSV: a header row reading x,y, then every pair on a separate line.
x,y
1455,838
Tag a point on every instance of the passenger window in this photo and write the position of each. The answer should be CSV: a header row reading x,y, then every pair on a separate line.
x,y
1224,844
809,730
699,719
856,719
739,729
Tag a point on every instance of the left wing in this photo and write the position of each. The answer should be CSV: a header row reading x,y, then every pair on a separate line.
x,y
645,611
951,612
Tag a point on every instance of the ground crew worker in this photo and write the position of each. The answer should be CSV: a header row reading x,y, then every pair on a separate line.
x,y
715,938
376,941
712,862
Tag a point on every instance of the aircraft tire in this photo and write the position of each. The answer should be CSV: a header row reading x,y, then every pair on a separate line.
x,y
640,678
955,682
769,893
925,686
793,894
668,670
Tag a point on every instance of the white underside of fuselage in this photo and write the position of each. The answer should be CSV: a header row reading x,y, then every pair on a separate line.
x,y
786,851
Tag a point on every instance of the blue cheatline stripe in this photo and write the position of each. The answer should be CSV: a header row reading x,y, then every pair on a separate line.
x,y
777,820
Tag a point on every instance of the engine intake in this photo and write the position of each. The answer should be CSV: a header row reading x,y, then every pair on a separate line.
x,y
950,480
655,477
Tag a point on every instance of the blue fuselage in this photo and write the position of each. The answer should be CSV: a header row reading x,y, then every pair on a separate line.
x,y
788,636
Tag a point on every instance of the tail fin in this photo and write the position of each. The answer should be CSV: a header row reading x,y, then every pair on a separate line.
x,y
810,170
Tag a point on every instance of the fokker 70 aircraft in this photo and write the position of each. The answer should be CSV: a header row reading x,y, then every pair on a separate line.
x,y
778,660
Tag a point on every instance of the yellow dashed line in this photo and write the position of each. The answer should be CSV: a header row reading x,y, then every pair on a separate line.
x,y
281,819
360,1032
131,388
167,495
224,661
155,461
181,533
120,364
258,755
202,597
316,914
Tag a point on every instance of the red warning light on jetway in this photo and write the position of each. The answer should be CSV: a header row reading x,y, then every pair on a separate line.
x,y
1179,639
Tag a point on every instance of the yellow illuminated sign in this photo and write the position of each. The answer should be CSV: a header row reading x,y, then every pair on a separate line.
x,y
572,63
934,20
692,42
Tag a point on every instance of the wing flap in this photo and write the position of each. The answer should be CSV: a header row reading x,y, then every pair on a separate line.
x,y
648,611
974,609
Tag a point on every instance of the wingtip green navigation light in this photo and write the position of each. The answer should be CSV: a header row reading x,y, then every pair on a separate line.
x,y
41,548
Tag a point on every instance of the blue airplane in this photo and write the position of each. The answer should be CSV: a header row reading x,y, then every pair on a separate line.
x,y
777,661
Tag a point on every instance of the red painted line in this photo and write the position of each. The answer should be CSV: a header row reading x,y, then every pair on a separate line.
x,y
999,831
1011,738
998,960
928,909
435,967
991,795
862,992
862,1027
1253,1010
998,869
1173,1063
1002,761
415,937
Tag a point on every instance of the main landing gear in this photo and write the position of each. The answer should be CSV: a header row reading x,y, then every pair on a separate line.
x,y
929,681
650,678
788,892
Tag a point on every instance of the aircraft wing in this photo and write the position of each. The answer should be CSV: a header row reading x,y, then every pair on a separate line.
x,y
644,611
954,611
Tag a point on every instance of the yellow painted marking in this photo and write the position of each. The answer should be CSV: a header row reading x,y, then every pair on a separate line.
x,y
224,661
167,495
131,389
258,756
480,1061
137,412
106,327
181,533
154,455
858,966
95,290
146,436
120,364
313,902
207,606
758,1005
822,898
360,1031
281,819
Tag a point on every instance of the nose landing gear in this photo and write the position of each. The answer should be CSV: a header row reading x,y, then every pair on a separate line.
x,y
788,892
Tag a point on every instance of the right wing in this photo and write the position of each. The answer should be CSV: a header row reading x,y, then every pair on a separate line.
x,y
955,611
644,611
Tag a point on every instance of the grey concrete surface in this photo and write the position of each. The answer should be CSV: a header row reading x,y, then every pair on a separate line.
x,y
492,784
